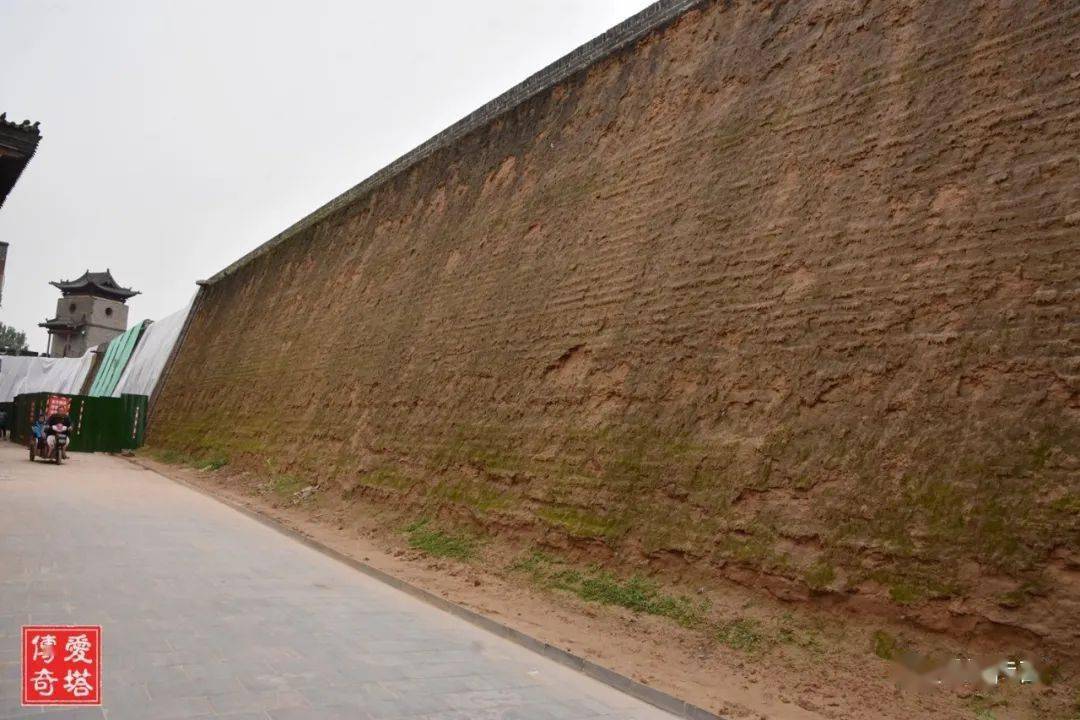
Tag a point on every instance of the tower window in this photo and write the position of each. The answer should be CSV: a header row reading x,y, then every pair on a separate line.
x,y
71,307
108,312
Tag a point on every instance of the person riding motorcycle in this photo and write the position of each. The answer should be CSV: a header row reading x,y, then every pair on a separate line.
x,y
38,428
56,429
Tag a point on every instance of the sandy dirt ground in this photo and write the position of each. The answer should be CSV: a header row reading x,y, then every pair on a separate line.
x,y
778,660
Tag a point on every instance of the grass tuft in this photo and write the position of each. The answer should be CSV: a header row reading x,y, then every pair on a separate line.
x,y
439,543
176,457
216,463
789,632
636,593
172,457
885,645
904,593
742,634
287,485
820,576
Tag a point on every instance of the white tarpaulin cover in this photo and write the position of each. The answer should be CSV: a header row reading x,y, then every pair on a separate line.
x,y
19,375
146,363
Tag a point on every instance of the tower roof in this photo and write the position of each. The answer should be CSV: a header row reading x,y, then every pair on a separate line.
x,y
56,324
18,141
98,284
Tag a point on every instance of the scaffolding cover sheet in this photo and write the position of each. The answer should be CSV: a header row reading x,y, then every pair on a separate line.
x,y
144,369
20,375
117,355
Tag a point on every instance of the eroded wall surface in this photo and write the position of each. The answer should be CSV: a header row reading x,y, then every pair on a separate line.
x,y
786,292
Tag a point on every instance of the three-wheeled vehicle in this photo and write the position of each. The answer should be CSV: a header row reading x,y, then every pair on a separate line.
x,y
39,445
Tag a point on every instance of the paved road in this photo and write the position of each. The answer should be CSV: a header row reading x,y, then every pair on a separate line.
x,y
208,614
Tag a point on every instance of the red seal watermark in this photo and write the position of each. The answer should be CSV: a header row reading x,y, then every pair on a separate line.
x,y
61,664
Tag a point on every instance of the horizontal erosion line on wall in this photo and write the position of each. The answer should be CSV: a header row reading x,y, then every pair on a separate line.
x,y
629,31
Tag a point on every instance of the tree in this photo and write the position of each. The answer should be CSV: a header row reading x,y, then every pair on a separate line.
x,y
11,340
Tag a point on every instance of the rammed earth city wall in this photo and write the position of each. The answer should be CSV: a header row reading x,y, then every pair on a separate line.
x,y
786,292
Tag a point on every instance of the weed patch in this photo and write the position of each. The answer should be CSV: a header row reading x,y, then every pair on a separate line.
x,y
984,706
172,457
789,632
439,543
216,463
820,576
742,634
885,645
286,485
175,457
636,593
535,565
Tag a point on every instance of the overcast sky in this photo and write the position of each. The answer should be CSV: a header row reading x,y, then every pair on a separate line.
x,y
179,135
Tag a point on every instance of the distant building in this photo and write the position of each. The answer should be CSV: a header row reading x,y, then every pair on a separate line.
x,y
18,141
91,310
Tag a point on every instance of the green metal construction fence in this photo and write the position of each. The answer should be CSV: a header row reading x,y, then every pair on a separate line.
x,y
116,359
98,424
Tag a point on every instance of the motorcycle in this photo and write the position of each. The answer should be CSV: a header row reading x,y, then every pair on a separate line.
x,y
39,447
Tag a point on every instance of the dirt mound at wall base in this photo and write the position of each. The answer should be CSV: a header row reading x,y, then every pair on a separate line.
x,y
745,658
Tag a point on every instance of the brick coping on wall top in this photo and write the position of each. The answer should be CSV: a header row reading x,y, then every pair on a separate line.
x,y
654,17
